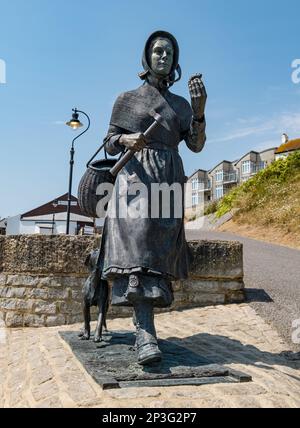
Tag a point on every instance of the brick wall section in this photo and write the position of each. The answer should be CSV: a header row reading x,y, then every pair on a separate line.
x,y
41,278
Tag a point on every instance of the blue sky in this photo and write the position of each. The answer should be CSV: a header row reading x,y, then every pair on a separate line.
x,y
61,54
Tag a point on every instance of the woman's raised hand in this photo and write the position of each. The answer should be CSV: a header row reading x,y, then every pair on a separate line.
x,y
198,95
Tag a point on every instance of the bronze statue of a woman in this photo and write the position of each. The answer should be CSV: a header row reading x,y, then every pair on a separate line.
x,y
143,255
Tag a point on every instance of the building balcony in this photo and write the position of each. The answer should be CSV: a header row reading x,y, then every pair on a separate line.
x,y
256,168
204,186
230,178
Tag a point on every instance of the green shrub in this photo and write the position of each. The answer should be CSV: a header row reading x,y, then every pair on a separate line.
x,y
211,208
262,187
227,202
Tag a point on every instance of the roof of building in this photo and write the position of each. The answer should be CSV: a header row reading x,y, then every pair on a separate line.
x,y
195,172
271,148
289,146
251,151
223,161
234,162
61,207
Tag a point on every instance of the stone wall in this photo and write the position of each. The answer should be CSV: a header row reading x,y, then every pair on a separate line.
x,y
41,278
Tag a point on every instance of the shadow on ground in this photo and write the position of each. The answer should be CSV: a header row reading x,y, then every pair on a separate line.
x,y
199,355
257,295
225,350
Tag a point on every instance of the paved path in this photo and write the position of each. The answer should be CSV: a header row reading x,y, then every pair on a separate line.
x,y
274,269
38,369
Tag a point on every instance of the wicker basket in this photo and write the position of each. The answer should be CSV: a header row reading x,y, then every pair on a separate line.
x,y
97,172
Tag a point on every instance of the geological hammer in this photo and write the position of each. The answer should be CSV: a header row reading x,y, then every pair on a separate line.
x,y
158,120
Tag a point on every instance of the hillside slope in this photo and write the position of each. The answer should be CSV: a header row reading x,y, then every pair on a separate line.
x,y
268,204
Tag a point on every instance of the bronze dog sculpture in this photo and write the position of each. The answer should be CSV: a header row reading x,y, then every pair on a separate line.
x,y
95,293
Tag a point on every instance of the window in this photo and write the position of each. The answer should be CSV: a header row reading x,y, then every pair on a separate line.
x,y
219,176
246,167
195,199
257,167
219,192
195,184
73,203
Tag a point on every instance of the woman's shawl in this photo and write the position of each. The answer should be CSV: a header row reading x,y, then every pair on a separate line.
x,y
132,112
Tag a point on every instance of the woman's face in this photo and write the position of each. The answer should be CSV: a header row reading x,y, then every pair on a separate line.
x,y
161,56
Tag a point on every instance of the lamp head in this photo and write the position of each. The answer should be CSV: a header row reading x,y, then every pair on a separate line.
x,y
74,123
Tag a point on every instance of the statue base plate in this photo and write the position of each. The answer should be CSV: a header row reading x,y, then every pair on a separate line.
x,y
113,363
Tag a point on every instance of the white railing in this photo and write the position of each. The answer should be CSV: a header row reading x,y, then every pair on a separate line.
x,y
230,178
204,185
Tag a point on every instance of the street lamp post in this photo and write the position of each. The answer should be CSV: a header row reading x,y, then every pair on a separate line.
x,y
54,204
74,123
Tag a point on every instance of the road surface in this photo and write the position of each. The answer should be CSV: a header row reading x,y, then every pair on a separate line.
x,y
272,280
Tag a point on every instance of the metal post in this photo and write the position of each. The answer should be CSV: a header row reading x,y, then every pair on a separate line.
x,y
70,189
53,219
71,169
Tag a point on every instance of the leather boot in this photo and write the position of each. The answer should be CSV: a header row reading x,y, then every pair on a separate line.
x,y
146,340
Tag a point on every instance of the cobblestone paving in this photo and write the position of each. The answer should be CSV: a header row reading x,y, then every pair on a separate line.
x,y
38,369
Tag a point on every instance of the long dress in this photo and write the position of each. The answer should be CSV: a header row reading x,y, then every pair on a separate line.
x,y
150,245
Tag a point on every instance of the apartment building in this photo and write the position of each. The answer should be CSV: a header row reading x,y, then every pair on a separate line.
x,y
197,192
223,177
253,162
206,186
